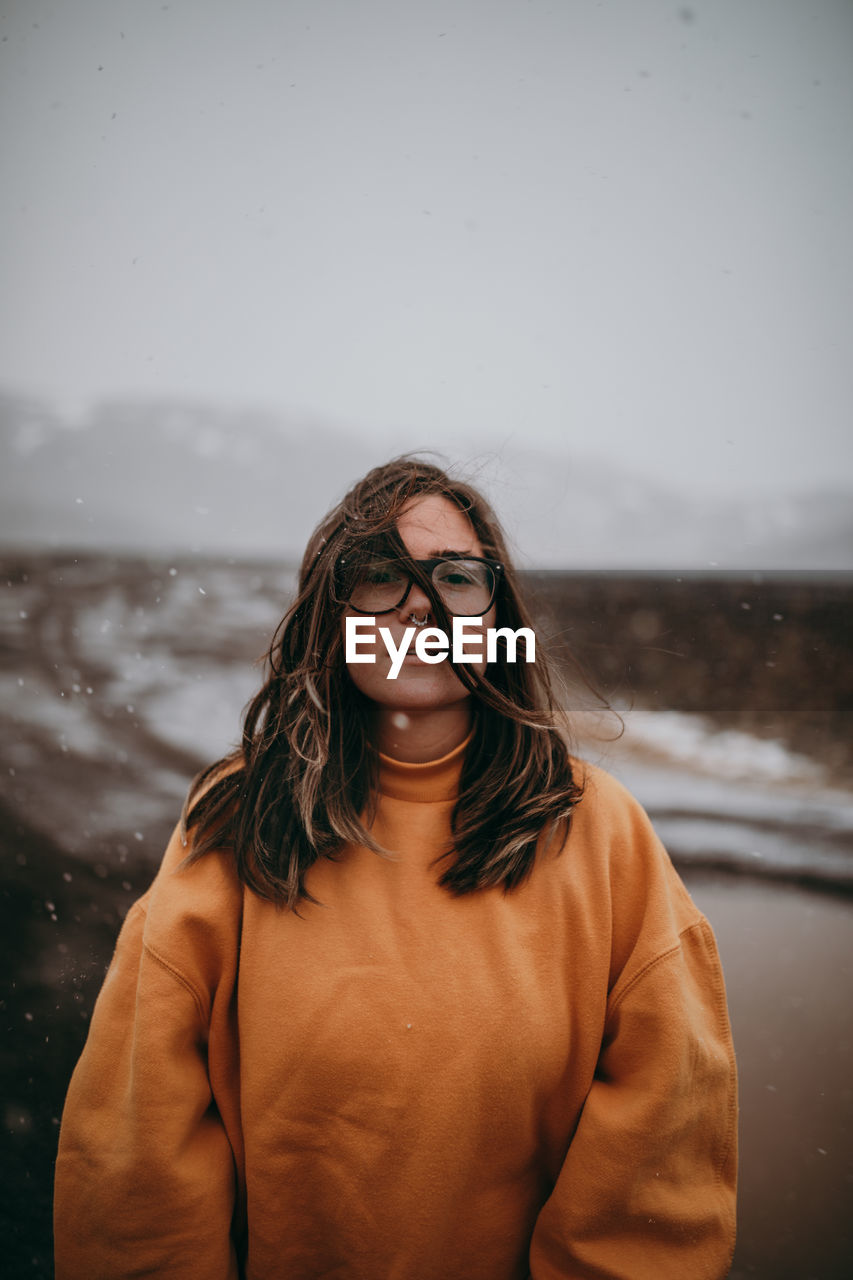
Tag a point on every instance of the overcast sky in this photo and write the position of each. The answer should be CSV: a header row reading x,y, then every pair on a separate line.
x,y
618,228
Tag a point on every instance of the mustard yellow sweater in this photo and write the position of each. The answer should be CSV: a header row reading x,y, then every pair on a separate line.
x,y
401,1085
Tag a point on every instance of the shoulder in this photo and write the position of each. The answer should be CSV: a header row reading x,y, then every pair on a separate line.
x,y
650,907
193,912
602,786
202,887
607,810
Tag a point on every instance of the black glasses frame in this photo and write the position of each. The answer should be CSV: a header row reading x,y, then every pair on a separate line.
x,y
429,567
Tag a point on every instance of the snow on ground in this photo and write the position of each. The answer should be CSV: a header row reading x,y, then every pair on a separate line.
x,y
731,798
693,742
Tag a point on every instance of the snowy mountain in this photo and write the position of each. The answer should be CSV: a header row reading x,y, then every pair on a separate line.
x,y
170,476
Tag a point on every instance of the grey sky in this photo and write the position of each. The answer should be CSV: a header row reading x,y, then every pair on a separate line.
x,y
618,228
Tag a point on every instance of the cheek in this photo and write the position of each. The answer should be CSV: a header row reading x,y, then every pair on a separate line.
x,y
370,679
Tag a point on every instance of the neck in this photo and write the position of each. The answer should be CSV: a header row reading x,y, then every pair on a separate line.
x,y
414,736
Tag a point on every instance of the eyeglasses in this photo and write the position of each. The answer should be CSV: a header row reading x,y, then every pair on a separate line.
x,y
465,585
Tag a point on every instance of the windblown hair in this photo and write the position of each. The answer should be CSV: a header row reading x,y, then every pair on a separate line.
x,y
303,783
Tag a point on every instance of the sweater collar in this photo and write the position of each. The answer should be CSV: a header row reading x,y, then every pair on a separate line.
x,y
424,782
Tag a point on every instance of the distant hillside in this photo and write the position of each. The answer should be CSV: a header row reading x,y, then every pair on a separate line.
x,y
171,476
167,477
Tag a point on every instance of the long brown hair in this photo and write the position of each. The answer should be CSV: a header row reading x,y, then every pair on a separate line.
x,y
303,783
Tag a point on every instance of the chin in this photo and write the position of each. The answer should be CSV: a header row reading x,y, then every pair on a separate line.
x,y
416,687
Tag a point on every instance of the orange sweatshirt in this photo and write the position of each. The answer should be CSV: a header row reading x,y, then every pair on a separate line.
x,y
401,1085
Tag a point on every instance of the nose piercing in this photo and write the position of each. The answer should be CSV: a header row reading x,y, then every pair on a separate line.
x,y
419,622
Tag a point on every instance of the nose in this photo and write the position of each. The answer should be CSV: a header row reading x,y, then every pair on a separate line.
x,y
417,601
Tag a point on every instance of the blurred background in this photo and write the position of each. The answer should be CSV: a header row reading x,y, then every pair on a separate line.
x,y
595,257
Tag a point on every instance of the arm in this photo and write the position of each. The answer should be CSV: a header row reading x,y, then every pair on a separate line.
x,y
647,1188
145,1181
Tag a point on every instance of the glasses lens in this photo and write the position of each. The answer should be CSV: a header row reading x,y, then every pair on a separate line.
x,y
465,586
380,586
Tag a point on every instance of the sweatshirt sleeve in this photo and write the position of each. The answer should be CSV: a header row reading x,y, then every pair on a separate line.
x,y
647,1187
145,1175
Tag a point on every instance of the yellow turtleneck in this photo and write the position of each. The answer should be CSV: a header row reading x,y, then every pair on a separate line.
x,y
397,1083
423,783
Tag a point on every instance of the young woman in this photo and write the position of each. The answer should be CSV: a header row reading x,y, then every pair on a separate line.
x,y
414,995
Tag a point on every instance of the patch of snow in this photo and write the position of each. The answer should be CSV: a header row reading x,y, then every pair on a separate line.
x,y
724,753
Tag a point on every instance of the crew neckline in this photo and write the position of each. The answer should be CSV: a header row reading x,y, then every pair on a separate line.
x,y
424,781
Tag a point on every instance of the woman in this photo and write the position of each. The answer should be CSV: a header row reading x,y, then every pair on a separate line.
x,y
413,994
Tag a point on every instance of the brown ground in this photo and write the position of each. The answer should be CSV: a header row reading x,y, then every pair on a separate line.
x,y
71,866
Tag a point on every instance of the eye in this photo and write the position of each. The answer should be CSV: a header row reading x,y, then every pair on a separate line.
x,y
381,574
460,573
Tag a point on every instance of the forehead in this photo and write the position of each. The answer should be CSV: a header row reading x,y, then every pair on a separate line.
x,y
431,524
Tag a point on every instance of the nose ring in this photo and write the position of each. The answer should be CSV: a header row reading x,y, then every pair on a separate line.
x,y
419,622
